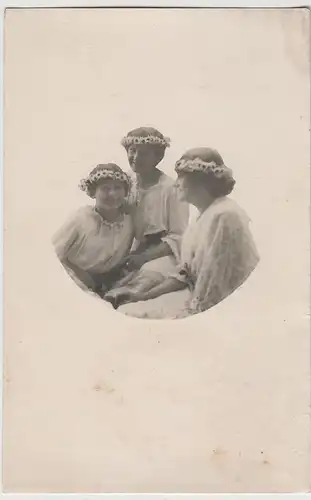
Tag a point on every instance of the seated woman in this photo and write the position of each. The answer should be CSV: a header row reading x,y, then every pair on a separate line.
x,y
160,216
218,252
93,243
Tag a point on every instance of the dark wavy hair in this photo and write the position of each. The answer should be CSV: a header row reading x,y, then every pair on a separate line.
x,y
216,186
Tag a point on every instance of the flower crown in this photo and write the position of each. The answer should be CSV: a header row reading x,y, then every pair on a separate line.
x,y
129,140
104,173
198,165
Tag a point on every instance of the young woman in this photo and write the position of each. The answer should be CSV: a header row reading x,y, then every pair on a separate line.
x,y
218,252
94,242
160,216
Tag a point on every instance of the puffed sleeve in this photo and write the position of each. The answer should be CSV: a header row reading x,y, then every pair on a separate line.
x,y
228,259
178,217
66,237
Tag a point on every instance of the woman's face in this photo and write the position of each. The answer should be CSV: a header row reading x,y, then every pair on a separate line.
x,y
110,194
187,186
141,157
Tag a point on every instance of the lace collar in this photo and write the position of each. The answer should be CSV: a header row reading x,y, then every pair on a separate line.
x,y
105,222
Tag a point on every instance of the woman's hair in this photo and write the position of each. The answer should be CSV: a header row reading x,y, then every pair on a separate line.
x,y
101,173
148,135
216,186
159,152
207,167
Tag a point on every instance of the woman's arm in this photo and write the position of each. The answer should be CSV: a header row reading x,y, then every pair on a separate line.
x,y
177,217
177,220
64,242
80,274
227,260
157,251
67,236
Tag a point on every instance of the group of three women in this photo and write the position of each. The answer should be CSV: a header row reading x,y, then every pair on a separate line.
x,y
135,248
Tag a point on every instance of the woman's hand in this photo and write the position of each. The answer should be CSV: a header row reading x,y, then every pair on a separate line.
x,y
119,297
129,295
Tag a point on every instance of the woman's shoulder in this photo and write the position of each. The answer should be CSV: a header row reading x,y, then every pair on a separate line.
x,y
228,210
82,214
166,180
167,185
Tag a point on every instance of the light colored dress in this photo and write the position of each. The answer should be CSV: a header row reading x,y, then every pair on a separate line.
x,y
218,254
93,244
157,209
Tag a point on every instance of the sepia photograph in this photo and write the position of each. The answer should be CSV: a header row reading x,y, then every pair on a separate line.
x,y
130,245
156,250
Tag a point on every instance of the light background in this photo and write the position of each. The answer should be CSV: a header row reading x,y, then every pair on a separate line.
x,y
98,402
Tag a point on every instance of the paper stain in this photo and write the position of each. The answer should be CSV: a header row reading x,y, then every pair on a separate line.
x,y
102,387
264,461
219,453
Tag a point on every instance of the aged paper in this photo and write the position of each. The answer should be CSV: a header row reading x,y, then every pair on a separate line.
x,y
95,401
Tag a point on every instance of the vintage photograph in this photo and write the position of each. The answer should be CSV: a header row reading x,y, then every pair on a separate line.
x,y
134,244
156,250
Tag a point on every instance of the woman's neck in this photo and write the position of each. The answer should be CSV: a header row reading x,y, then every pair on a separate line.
x,y
149,177
204,203
111,215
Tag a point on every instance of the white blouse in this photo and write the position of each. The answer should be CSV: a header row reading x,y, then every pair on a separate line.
x,y
160,209
217,255
93,244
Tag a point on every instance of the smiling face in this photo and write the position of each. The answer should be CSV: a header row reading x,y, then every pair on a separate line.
x,y
143,157
110,194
